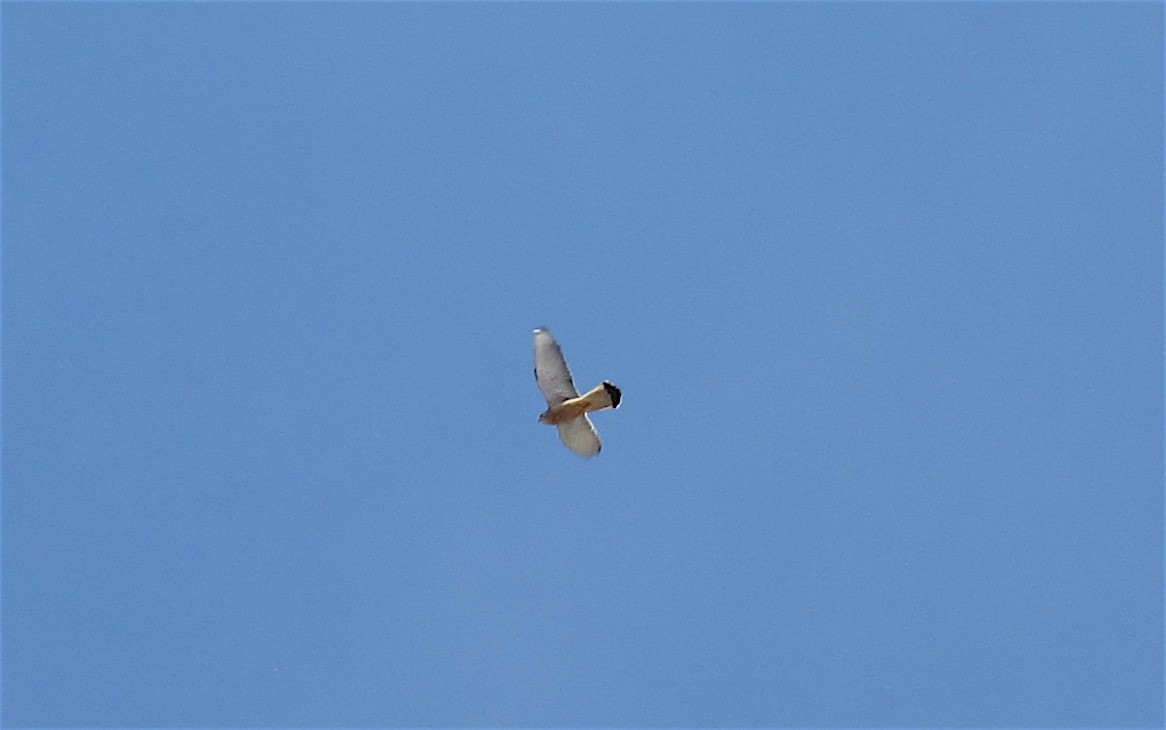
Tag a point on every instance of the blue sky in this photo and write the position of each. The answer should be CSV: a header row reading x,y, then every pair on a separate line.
x,y
882,285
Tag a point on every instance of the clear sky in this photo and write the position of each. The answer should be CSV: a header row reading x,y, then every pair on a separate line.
x,y
882,285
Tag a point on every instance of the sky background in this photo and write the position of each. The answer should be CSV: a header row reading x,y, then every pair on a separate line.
x,y
882,285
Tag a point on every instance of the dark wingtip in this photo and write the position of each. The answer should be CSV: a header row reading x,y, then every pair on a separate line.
x,y
613,393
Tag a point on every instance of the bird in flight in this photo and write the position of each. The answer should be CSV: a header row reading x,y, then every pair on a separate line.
x,y
566,409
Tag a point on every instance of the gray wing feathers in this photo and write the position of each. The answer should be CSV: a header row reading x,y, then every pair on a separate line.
x,y
551,371
580,436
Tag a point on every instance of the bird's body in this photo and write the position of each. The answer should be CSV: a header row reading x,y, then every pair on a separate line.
x,y
566,409
604,395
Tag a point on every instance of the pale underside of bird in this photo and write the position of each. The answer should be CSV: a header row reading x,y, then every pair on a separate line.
x,y
566,409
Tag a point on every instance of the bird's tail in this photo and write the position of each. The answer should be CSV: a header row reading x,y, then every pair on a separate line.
x,y
604,395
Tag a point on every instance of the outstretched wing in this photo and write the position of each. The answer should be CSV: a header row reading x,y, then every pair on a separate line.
x,y
551,371
580,436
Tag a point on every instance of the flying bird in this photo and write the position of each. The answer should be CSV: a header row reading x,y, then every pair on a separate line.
x,y
565,407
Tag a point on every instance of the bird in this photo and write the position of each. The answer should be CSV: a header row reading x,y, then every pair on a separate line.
x,y
566,409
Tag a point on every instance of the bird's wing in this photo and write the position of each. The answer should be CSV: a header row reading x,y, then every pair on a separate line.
x,y
580,436
550,369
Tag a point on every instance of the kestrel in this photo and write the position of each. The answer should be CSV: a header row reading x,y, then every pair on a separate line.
x,y
565,407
